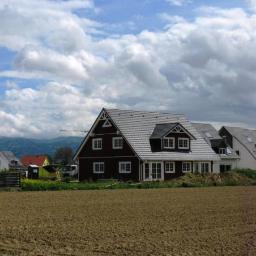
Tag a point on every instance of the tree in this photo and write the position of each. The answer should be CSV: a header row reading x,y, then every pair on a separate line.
x,y
63,156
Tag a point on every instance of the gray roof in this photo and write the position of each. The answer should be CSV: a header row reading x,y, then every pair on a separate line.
x,y
137,127
209,133
247,137
161,129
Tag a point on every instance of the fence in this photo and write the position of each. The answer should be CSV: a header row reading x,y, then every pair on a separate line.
x,y
9,179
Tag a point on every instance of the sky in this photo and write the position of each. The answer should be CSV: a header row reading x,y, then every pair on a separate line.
x,y
61,62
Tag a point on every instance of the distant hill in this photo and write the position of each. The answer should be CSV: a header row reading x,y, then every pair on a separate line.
x,y
25,146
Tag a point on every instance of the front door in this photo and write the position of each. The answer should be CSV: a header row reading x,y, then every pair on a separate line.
x,y
153,171
156,171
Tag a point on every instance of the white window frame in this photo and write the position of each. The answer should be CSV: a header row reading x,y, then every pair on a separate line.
x,y
150,169
183,139
169,139
126,163
186,171
113,142
94,167
221,150
173,167
95,140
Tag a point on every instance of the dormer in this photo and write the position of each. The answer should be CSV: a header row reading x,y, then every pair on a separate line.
x,y
171,137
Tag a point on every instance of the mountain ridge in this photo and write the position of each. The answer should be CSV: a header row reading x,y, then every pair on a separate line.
x,y
29,146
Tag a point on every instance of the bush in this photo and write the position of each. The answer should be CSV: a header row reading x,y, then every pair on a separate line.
x,y
247,173
232,178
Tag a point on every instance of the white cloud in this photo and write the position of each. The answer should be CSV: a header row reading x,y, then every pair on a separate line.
x,y
178,2
204,68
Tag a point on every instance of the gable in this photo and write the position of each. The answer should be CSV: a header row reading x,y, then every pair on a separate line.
x,y
103,127
168,129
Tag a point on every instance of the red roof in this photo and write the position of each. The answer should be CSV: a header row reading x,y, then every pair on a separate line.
x,y
36,160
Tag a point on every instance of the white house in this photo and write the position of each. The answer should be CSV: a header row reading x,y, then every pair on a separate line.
x,y
243,142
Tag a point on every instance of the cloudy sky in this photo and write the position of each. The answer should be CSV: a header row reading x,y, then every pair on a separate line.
x,y
62,61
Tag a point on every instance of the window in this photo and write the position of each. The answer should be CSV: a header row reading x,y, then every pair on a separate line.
x,y
98,167
156,169
222,151
238,152
205,167
117,143
124,167
170,167
97,144
183,143
169,143
186,167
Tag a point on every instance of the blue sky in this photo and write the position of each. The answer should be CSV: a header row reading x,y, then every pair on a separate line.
x,y
69,59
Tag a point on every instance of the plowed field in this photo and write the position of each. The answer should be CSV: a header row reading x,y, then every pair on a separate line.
x,y
203,221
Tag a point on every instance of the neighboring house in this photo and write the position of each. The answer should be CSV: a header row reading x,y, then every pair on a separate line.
x,y
243,142
138,145
229,158
8,161
40,161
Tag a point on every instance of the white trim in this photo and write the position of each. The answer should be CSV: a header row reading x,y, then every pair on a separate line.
x,y
94,167
186,171
169,162
150,178
95,140
92,129
113,142
169,139
183,139
124,162
107,124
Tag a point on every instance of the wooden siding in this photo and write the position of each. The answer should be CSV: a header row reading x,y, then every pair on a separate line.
x,y
178,170
107,134
111,169
111,157
229,139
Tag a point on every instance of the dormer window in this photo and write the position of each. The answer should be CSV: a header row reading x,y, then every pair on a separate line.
x,y
169,143
222,151
183,143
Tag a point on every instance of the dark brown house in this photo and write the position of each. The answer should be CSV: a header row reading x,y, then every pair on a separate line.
x,y
138,145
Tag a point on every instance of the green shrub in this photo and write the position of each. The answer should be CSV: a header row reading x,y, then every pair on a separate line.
x,y
232,178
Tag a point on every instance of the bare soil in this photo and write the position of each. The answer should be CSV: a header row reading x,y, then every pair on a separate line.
x,y
190,221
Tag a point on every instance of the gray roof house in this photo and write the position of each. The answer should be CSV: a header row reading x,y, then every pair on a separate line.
x,y
229,158
141,145
243,142
8,160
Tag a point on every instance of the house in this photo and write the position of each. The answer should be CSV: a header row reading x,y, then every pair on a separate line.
x,y
8,161
243,142
144,146
39,161
228,157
